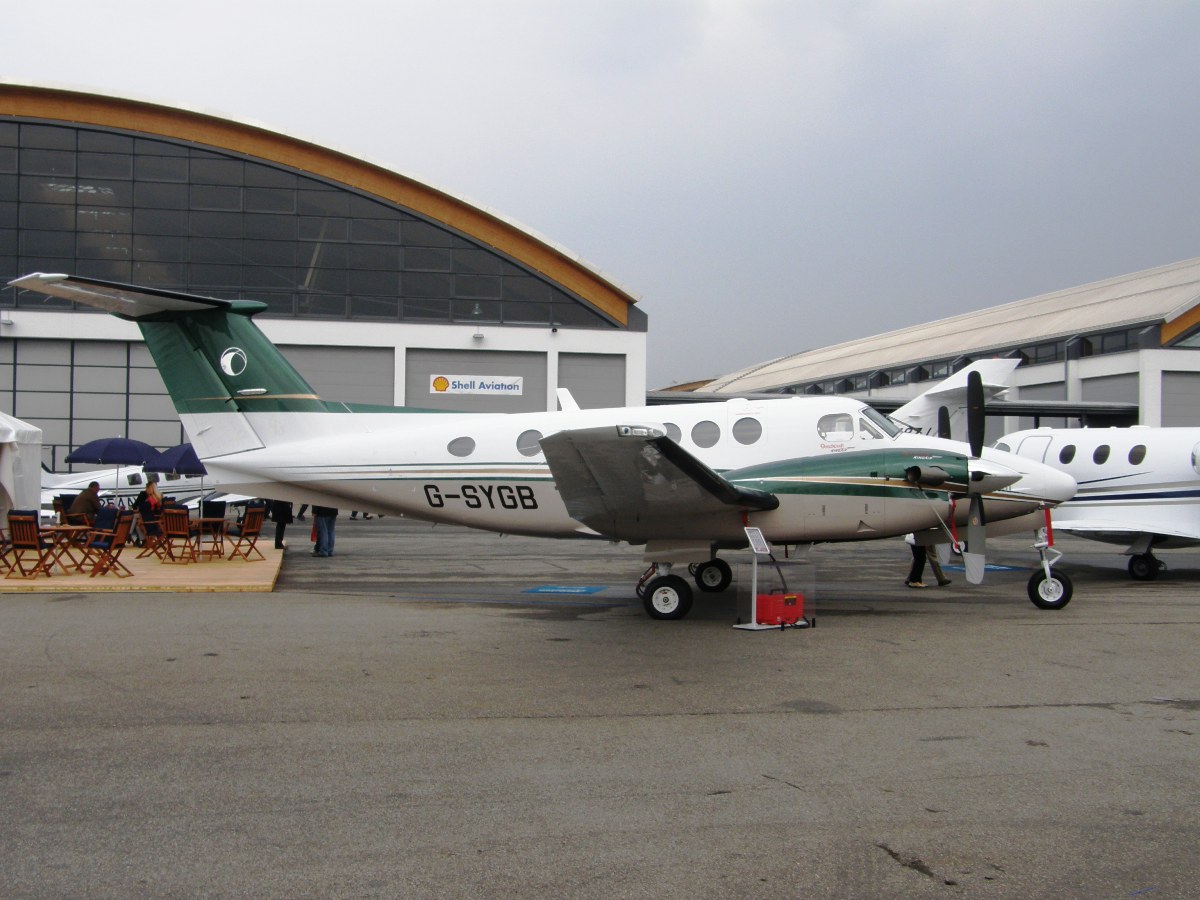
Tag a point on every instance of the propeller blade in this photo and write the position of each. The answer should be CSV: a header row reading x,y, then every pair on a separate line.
x,y
975,417
975,556
943,422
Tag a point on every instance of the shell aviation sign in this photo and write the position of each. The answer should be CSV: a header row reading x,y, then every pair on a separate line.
x,y
494,385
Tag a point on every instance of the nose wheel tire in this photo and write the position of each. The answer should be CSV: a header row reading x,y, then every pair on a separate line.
x,y
713,576
667,597
1050,593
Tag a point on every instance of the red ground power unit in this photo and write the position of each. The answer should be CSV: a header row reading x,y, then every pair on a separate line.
x,y
779,609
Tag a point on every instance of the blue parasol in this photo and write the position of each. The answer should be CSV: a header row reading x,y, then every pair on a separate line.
x,y
179,460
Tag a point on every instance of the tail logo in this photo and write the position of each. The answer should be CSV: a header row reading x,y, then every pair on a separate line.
x,y
233,361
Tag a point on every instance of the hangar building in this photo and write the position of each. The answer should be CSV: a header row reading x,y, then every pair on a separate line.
x,y
1121,351
375,283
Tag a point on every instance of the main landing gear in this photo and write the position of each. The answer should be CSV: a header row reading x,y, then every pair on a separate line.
x,y
667,596
1145,566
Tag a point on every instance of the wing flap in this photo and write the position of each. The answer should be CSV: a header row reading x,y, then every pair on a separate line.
x,y
633,482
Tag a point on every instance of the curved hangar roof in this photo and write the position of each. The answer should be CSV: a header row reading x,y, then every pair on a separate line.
x,y
1168,296
30,102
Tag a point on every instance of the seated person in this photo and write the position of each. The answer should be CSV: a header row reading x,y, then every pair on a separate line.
x,y
87,504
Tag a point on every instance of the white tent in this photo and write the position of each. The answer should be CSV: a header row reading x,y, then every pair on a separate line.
x,y
20,465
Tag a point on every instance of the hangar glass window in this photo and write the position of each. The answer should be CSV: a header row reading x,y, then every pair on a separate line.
x,y
527,442
836,427
1066,454
1100,456
1137,455
207,221
747,430
461,446
706,434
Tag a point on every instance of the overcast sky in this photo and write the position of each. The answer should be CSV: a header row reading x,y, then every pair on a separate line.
x,y
765,176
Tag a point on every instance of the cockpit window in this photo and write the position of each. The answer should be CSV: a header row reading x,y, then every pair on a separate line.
x,y
890,427
867,431
1000,445
835,427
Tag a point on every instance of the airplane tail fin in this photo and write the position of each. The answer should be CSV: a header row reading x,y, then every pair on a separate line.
x,y
213,358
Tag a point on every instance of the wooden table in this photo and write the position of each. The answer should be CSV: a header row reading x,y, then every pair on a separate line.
x,y
64,538
212,527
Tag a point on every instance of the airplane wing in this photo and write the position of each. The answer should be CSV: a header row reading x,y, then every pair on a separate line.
x,y
632,482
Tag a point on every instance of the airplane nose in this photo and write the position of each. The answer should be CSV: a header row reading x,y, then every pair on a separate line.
x,y
1049,484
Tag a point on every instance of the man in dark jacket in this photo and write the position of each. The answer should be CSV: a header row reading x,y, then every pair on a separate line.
x,y
281,512
87,504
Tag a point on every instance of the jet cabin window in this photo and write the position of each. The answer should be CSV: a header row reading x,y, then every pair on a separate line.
x,y
836,427
1196,458
1137,454
1066,454
1100,457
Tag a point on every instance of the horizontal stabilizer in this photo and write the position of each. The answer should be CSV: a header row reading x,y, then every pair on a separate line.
x,y
127,301
632,482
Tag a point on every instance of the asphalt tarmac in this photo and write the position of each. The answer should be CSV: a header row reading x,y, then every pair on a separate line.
x,y
435,712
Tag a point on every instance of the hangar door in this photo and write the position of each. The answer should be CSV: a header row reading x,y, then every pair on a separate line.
x,y
353,374
595,380
1181,398
475,380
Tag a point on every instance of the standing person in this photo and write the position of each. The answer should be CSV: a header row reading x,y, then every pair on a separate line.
x,y
281,513
300,515
324,518
917,571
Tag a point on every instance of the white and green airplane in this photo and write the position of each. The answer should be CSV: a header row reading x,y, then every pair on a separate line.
x,y
683,480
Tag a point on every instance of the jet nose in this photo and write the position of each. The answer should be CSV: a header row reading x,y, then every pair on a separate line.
x,y
1046,483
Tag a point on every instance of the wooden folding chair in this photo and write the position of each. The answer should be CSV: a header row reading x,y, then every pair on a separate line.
x,y
178,542
104,548
245,534
27,541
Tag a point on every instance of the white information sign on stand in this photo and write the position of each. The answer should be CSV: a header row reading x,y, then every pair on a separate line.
x,y
758,543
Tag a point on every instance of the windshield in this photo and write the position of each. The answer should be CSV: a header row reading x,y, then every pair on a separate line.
x,y
888,426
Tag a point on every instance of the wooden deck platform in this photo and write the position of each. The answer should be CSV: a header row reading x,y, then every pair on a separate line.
x,y
149,574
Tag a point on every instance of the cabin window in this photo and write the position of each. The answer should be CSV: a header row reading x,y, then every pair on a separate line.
x,y
835,427
1196,458
1137,454
673,431
1066,454
135,478
747,430
527,442
461,446
1101,455
706,433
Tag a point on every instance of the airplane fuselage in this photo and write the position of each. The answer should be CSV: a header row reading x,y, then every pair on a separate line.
x,y
837,467
1138,482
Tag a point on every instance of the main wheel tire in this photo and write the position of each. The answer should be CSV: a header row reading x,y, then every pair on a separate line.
x,y
668,597
1050,593
1143,567
713,576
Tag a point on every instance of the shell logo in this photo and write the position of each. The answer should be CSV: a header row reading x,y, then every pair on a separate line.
x,y
441,384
